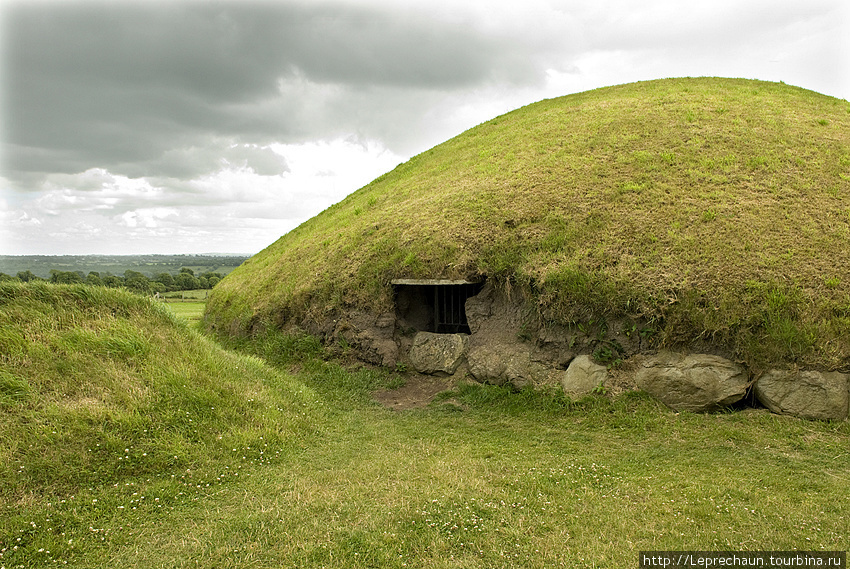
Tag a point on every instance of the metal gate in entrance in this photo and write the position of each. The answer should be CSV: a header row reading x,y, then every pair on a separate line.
x,y
434,305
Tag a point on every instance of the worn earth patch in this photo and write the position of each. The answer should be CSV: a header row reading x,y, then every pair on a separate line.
x,y
417,392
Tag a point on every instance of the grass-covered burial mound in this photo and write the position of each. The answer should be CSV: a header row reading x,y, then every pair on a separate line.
x,y
681,213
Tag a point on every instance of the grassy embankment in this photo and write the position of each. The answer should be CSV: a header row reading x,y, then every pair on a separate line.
x,y
704,209
111,404
129,440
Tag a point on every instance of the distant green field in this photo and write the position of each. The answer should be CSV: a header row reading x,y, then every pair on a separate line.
x,y
188,304
180,295
192,311
149,265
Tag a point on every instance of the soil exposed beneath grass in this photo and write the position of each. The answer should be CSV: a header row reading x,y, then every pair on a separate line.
x,y
418,391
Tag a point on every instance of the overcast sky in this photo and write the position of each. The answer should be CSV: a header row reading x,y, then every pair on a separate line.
x,y
181,126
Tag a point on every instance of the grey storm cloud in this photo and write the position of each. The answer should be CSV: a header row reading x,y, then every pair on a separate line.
x,y
140,125
145,88
141,88
184,162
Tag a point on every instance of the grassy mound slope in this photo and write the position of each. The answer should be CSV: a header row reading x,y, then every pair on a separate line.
x,y
710,208
99,386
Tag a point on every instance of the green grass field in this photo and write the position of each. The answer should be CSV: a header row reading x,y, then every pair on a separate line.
x,y
188,304
192,311
149,265
127,439
479,488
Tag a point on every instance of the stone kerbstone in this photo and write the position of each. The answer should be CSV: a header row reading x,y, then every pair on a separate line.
x,y
806,394
696,382
487,365
435,353
507,365
583,376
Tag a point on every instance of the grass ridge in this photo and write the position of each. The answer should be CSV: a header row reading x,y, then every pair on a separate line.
x,y
90,376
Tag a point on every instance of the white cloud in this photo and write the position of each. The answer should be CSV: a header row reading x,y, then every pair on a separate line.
x,y
234,209
150,218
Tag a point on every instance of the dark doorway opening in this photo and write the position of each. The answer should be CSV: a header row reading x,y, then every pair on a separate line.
x,y
434,305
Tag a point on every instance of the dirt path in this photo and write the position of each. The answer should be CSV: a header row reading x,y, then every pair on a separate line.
x,y
417,392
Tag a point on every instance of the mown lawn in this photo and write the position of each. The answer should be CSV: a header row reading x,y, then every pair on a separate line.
x,y
192,311
445,488
482,478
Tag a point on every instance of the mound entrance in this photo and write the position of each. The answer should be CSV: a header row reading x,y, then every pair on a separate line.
x,y
434,305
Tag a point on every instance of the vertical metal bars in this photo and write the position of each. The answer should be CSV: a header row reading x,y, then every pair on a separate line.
x,y
434,305
449,311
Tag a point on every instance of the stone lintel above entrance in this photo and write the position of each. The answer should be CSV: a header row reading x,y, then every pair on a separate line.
x,y
431,282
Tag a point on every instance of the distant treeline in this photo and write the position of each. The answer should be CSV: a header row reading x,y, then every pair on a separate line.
x,y
149,265
135,281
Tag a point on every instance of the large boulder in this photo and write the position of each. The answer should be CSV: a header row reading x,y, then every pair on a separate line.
x,y
487,364
806,394
695,382
506,364
583,376
479,308
438,353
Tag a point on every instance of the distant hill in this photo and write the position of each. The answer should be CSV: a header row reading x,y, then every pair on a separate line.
x,y
711,210
149,265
